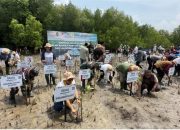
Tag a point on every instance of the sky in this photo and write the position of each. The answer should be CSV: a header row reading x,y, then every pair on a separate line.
x,y
161,14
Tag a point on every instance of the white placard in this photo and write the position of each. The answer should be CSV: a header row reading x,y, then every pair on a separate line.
x,y
64,93
28,59
132,76
107,60
50,69
69,63
131,59
171,71
61,57
2,63
85,73
23,64
119,55
11,81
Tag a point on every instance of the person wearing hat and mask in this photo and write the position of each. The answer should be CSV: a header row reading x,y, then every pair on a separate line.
x,y
106,72
123,69
68,79
149,82
48,58
6,56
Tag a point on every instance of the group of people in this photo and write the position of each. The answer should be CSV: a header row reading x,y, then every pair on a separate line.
x,y
9,58
92,57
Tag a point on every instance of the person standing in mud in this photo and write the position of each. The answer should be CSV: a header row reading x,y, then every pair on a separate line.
x,y
6,56
48,58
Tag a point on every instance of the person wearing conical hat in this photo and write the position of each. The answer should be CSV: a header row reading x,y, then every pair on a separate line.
x,y
6,56
48,58
68,79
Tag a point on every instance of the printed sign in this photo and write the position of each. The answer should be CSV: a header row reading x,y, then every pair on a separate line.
x,y
119,55
69,63
131,59
23,64
171,71
132,76
50,69
61,57
85,73
28,60
2,63
11,81
64,93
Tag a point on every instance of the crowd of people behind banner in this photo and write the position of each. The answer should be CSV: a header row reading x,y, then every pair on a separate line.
x,y
93,57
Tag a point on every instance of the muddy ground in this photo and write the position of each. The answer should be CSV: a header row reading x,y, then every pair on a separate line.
x,y
106,107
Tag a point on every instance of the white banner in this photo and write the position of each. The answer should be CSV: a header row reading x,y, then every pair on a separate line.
x,y
11,81
64,93
85,73
50,69
132,76
61,57
171,71
69,63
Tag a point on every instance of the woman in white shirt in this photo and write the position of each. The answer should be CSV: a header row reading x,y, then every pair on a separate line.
x,y
48,58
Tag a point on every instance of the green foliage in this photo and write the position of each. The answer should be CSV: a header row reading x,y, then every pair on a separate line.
x,y
19,26
29,35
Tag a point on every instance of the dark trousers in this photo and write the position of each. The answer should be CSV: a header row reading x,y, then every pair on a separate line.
x,y
177,70
149,87
50,77
160,74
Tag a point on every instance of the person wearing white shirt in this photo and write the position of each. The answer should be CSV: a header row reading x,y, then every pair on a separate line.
x,y
107,73
68,79
48,58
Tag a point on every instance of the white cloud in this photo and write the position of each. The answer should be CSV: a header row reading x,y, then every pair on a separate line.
x,y
61,2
